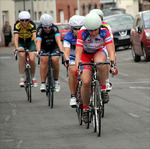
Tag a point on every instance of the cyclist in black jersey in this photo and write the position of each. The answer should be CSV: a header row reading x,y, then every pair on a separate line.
x,y
25,37
48,40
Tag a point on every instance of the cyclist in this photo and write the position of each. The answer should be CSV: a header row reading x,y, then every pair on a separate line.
x,y
48,40
100,13
92,43
76,22
25,36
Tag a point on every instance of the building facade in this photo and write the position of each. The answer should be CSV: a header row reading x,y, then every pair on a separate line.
x,y
7,13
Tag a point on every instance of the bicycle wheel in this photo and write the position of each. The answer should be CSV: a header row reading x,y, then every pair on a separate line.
x,y
97,108
28,84
51,88
79,110
93,116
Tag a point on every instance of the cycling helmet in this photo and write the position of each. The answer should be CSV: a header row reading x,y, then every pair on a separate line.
x,y
92,21
76,20
24,15
46,20
98,11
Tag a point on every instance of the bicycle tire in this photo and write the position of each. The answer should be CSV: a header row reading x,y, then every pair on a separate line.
x,y
79,114
102,110
28,84
98,108
93,110
51,89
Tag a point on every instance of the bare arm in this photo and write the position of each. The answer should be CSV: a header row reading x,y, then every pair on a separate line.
x,y
58,40
34,37
67,52
78,55
16,40
111,50
38,44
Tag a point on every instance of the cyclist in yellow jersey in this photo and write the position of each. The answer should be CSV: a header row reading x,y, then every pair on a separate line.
x,y
105,24
25,36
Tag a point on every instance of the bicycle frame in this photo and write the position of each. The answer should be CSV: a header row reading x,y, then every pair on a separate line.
x,y
28,78
50,84
96,106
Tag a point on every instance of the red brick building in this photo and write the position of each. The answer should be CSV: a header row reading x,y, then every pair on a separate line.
x,y
87,5
66,9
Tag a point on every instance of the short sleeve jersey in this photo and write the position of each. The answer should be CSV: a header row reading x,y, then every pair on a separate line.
x,y
25,34
91,45
48,39
70,41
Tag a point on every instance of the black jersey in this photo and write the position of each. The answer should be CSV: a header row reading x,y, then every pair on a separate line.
x,y
48,39
25,33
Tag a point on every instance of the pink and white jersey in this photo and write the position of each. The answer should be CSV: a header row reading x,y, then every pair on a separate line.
x,y
91,45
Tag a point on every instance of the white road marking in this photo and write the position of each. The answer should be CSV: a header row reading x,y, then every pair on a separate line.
x,y
7,140
139,87
133,115
123,74
19,144
13,105
5,57
148,81
7,118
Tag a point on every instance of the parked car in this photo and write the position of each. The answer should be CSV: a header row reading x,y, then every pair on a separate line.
x,y
140,36
64,28
113,11
121,25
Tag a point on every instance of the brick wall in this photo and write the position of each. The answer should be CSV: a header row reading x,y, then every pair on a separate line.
x,y
68,6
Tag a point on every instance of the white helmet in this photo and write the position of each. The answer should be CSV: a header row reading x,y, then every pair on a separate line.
x,y
98,11
24,15
76,20
46,19
92,21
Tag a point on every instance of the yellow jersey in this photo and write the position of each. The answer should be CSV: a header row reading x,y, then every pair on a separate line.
x,y
25,33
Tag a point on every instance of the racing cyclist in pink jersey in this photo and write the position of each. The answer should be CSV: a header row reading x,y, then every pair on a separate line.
x,y
100,13
92,42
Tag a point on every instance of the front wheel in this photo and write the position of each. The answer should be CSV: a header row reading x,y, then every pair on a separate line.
x,y
28,84
98,105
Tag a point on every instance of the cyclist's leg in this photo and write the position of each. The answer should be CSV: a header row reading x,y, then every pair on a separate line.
x,y
55,60
86,85
43,71
21,64
31,47
101,56
72,81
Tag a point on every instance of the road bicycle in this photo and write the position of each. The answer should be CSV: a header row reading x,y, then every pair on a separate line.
x,y
96,105
50,83
28,78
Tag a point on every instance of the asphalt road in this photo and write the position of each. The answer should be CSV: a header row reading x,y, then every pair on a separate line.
x,y
25,125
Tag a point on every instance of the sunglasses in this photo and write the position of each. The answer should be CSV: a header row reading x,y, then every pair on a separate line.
x,y
76,28
46,27
25,20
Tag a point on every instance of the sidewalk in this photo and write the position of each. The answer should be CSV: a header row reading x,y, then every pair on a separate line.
x,y
7,48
